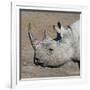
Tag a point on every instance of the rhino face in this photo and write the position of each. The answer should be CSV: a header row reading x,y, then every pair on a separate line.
x,y
52,52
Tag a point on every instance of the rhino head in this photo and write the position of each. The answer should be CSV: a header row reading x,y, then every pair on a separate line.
x,y
50,52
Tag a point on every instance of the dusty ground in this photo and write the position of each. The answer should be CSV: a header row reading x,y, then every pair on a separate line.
x,y
40,21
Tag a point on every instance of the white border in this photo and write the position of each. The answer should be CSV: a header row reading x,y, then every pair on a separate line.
x,y
15,82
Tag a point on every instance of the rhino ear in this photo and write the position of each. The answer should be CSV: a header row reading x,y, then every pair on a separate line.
x,y
57,28
32,39
59,25
46,36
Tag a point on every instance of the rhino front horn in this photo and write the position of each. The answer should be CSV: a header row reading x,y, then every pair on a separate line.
x,y
31,36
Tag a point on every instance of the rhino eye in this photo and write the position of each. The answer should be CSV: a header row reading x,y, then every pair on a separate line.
x,y
50,49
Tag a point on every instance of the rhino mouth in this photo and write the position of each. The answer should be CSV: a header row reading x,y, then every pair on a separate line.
x,y
57,66
37,63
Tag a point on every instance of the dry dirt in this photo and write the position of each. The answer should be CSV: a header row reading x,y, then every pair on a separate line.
x,y
40,21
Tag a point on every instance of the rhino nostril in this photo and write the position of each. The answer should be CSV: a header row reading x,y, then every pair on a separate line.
x,y
36,61
50,49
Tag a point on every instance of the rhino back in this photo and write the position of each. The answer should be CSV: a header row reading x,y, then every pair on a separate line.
x,y
76,39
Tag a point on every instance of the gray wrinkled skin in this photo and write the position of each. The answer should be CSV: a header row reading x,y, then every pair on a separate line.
x,y
56,52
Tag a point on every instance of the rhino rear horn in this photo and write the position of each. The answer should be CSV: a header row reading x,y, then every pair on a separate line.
x,y
46,36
